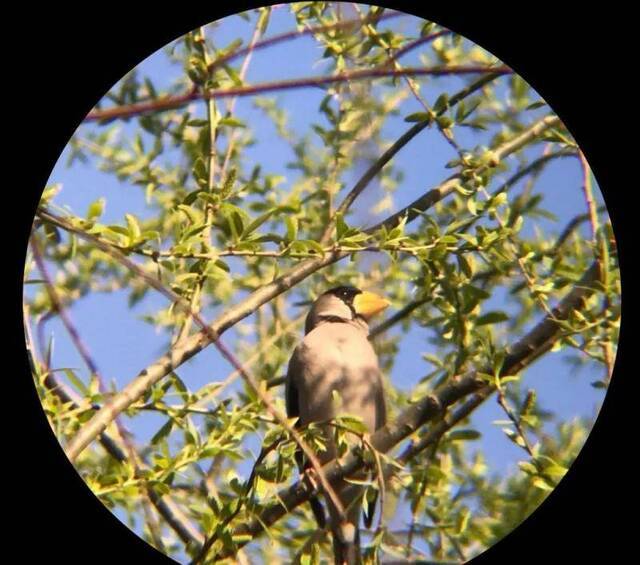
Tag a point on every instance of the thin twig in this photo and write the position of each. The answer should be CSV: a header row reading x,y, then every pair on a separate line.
x,y
600,249
177,101
232,103
524,443
405,138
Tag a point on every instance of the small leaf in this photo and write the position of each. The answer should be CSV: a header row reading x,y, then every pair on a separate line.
x,y
163,432
464,265
494,317
255,224
96,209
464,435
230,121
418,117
535,105
541,484
77,383
441,103
133,225
292,227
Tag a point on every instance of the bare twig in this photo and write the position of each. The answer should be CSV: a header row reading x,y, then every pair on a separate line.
x,y
253,44
588,197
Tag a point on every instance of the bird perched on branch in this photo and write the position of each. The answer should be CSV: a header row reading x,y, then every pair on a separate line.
x,y
336,360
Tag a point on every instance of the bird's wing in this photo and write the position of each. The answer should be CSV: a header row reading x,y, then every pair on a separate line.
x,y
381,420
291,389
293,411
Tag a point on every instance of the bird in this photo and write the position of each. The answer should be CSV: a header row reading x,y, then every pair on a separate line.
x,y
335,356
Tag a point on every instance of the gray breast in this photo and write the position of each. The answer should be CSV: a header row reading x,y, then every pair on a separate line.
x,y
338,357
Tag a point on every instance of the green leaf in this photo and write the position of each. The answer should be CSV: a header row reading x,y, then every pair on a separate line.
x,y
418,117
263,20
255,224
541,484
200,172
162,433
292,227
228,184
528,467
192,232
77,383
96,209
133,225
220,264
463,520
191,197
441,104
198,123
464,435
494,317
464,265
341,226
535,105
230,121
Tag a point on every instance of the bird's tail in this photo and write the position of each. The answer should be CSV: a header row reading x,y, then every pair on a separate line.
x,y
346,544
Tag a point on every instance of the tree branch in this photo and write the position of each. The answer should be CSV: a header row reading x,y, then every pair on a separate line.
x,y
414,130
177,101
416,43
430,198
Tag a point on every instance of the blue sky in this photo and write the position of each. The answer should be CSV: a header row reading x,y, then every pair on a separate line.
x,y
122,344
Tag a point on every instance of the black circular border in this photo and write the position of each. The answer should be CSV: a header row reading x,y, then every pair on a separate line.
x,y
65,60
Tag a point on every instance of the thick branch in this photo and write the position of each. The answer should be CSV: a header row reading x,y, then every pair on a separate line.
x,y
538,341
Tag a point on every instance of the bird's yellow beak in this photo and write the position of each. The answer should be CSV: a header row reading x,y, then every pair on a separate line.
x,y
368,304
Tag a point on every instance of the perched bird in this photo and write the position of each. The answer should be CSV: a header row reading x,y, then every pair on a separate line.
x,y
335,356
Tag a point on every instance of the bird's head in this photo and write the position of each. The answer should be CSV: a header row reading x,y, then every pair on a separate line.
x,y
345,303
